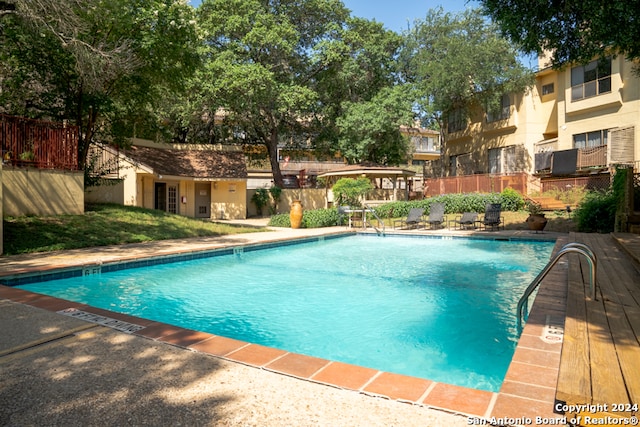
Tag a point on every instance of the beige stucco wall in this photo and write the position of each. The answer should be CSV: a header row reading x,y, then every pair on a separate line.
x,y
619,108
229,200
28,191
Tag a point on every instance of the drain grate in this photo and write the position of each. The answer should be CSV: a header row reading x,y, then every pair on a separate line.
x,y
120,325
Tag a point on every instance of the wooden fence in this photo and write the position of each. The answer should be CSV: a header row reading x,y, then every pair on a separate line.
x,y
39,144
481,183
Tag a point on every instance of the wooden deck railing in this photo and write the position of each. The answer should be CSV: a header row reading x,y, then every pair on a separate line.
x,y
39,144
592,157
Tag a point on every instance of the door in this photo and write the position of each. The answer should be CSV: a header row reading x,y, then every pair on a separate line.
x,y
166,197
203,200
160,196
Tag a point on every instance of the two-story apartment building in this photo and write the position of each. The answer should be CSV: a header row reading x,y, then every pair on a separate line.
x,y
573,124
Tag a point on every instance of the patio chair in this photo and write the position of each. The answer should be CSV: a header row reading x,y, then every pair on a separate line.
x,y
436,215
492,216
466,221
413,219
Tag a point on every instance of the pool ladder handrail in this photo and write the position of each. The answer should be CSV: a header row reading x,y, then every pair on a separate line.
x,y
373,211
572,247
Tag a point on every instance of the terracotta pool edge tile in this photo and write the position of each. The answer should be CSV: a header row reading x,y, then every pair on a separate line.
x,y
297,365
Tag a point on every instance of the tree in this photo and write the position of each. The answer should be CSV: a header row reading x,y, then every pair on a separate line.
x,y
366,101
370,130
261,70
455,61
101,65
572,31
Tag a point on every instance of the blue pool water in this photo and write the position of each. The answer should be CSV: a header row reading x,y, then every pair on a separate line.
x,y
432,308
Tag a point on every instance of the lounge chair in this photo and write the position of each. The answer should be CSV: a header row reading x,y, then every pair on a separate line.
x,y
413,219
492,216
436,215
467,220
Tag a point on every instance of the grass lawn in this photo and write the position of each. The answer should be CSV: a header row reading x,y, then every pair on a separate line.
x,y
103,225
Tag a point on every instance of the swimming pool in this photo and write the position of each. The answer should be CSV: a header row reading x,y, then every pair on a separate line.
x,y
442,309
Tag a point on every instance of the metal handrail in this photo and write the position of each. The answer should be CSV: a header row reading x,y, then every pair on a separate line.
x,y
378,232
578,248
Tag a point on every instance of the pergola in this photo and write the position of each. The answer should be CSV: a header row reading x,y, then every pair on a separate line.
x,y
393,174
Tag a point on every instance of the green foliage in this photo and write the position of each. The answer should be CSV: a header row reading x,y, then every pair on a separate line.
x,y
370,130
460,60
597,212
453,203
104,224
103,66
349,191
511,200
572,31
260,198
282,220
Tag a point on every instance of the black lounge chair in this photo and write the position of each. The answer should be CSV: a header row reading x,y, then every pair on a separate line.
x,y
466,221
492,216
436,215
414,219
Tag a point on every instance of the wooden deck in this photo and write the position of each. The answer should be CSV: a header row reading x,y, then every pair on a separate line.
x,y
600,361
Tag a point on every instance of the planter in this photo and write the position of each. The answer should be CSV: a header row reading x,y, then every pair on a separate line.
x,y
295,215
536,222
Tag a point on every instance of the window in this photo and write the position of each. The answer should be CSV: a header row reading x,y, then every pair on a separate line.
x,y
503,160
453,163
501,112
591,80
591,139
456,121
547,89
495,160
424,144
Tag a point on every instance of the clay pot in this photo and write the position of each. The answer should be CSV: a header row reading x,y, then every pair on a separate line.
x,y
536,222
295,215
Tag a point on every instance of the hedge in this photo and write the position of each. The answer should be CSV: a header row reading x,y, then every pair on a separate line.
x,y
510,200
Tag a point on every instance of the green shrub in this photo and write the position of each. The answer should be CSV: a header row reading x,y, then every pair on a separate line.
x,y
349,191
453,204
260,198
511,200
280,220
597,212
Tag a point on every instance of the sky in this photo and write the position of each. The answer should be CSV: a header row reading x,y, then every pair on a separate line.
x,y
395,14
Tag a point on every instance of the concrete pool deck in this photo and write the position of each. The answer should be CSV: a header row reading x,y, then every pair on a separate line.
x,y
61,368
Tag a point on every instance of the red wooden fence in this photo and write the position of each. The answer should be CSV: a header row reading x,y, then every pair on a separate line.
x,y
481,183
40,144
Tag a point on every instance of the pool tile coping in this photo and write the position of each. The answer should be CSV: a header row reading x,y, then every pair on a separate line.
x,y
527,392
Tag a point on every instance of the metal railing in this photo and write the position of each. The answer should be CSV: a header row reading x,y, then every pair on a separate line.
x,y
380,221
573,247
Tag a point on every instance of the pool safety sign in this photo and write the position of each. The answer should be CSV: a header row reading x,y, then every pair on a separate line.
x,y
552,332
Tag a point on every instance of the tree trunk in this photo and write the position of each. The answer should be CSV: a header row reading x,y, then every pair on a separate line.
x,y
272,147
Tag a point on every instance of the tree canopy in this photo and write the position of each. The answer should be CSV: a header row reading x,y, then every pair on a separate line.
x,y
572,31
458,60
101,65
